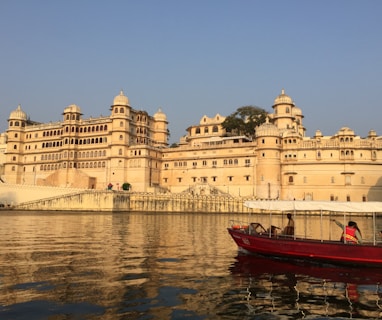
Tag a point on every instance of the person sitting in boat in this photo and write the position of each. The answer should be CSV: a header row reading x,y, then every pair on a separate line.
x,y
272,231
289,228
352,232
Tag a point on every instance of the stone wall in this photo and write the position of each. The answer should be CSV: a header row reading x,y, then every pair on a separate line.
x,y
186,203
79,201
14,194
109,200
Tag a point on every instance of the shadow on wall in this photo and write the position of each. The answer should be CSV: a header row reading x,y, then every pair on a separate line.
x,y
15,194
375,192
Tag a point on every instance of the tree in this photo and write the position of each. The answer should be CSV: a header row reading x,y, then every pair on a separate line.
x,y
245,120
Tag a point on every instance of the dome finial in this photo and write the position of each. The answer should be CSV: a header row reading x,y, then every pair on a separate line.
x,y
283,99
121,99
18,114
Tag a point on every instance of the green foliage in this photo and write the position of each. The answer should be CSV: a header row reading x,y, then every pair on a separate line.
x,y
126,186
245,120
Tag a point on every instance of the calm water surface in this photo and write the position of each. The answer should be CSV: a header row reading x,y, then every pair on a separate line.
x,y
165,266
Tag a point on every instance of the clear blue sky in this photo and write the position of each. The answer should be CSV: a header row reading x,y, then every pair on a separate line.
x,y
194,58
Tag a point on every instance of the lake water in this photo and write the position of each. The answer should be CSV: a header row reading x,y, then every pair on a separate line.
x,y
165,266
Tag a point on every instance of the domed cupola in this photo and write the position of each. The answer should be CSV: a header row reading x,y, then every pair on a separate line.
x,y
72,112
72,109
121,100
267,129
160,116
297,112
18,114
283,99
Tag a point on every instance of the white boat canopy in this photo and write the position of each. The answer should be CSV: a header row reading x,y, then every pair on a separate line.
x,y
298,205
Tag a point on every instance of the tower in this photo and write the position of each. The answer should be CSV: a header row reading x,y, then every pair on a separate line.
x,y
13,167
160,135
268,169
286,115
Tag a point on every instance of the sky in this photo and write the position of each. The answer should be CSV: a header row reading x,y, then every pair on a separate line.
x,y
194,58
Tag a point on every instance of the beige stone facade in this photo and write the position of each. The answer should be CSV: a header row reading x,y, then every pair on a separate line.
x,y
131,146
280,163
87,153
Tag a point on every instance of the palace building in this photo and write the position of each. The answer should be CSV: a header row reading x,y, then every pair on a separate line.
x,y
87,153
131,146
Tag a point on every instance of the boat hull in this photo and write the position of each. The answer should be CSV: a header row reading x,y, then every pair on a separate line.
x,y
312,250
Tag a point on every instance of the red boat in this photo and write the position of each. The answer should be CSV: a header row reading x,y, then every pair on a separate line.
x,y
254,238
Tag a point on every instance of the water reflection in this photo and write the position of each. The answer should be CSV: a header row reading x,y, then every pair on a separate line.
x,y
302,289
162,266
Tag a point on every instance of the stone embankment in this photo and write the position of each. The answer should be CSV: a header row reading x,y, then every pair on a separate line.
x,y
114,201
